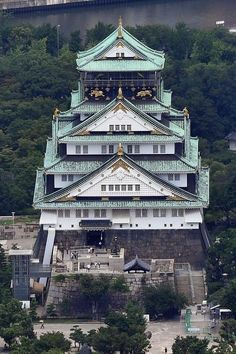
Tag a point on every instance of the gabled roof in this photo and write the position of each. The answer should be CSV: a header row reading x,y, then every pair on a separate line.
x,y
137,265
121,160
146,58
172,129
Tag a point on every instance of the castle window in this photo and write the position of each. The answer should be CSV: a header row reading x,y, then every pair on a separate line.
x,y
70,178
156,213
111,188
67,213
111,149
129,127
117,187
130,187
85,149
103,188
97,213
170,177
129,149
78,213
123,187
111,128
162,149
138,213
78,149
137,187
104,149
163,213
117,127
103,213
122,55
177,177
141,213
136,149
85,213
60,213
117,55
177,212
122,127
155,149
64,178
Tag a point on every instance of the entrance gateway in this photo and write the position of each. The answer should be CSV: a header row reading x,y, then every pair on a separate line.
x,y
95,238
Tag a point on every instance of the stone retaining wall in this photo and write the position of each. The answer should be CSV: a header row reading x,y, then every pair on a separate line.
x,y
181,245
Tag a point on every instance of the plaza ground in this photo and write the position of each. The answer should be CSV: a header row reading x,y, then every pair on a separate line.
x,y
163,332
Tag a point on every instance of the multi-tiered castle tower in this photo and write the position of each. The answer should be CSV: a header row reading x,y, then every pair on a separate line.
x,y
121,161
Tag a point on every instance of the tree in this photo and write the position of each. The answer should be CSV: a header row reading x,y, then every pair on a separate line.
x,y
125,332
75,42
32,312
189,345
163,300
52,340
51,310
77,335
14,322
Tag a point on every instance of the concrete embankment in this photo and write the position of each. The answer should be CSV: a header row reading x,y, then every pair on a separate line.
x,y
44,5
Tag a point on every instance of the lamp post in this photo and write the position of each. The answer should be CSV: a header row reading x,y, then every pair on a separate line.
x,y
13,223
58,40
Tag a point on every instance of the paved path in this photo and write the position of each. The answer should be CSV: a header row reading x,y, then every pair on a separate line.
x,y
163,332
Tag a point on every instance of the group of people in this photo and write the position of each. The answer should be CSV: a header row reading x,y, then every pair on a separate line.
x,y
97,265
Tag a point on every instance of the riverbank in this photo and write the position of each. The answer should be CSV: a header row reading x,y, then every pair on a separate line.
x,y
19,6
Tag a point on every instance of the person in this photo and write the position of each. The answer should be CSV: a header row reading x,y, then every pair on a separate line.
x,y
42,324
88,267
165,350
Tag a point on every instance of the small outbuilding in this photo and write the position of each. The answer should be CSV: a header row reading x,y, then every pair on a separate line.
x,y
231,137
137,266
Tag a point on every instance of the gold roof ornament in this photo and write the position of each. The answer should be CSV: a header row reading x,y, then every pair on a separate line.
x,y
120,151
120,34
120,94
186,112
56,113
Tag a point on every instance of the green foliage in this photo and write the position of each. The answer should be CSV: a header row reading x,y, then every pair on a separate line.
x,y
32,312
60,278
52,340
162,300
119,284
189,345
125,332
221,261
14,322
77,335
51,310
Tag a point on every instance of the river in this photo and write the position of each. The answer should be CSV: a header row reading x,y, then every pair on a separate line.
x,y
195,13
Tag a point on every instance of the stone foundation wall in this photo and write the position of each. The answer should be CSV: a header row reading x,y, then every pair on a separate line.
x,y
181,245
69,290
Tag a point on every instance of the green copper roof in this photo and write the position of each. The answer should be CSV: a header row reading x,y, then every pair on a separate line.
x,y
119,204
91,60
118,65
176,190
125,138
84,167
172,129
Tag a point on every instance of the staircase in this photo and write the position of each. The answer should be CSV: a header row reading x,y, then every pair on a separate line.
x,y
190,283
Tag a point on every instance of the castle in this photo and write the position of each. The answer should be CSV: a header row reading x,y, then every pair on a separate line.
x,y
121,161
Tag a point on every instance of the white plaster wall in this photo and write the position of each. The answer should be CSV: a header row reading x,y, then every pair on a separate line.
x,y
58,183
120,176
148,222
96,149
181,183
232,145
120,117
112,52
